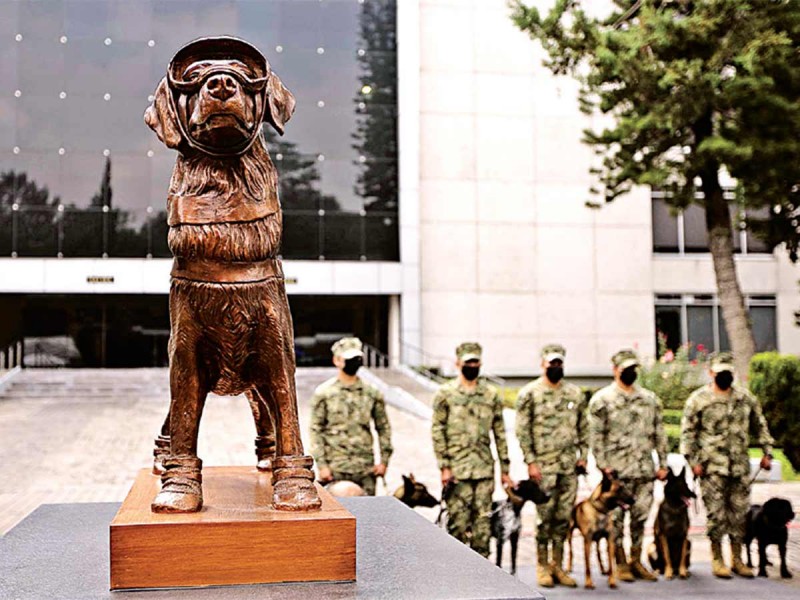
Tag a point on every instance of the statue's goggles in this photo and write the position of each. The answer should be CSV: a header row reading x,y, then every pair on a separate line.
x,y
192,83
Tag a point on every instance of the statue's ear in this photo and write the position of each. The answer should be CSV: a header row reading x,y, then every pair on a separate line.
x,y
161,118
280,103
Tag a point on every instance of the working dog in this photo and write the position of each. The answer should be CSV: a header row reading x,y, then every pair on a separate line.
x,y
506,523
769,525
671,530
230,325
413,493
592,517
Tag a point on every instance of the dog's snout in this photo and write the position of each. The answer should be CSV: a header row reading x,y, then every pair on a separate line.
x,y
221,86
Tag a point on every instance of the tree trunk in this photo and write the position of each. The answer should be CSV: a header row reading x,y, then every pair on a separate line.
x,y
731,299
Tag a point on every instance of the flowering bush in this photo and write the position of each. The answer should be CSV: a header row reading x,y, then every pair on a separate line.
x,y
675,375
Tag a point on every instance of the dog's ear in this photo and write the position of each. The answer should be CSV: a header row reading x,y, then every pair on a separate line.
x,y
161,118
280,103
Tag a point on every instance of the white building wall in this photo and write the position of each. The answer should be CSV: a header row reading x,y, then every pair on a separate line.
x,y
509,254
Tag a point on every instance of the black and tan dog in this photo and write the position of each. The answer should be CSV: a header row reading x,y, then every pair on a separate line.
x,y
672,548
592,517
230,325
414,493
506,522
769,525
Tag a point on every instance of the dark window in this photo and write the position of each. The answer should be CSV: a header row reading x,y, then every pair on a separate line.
x,y
665,228
668,325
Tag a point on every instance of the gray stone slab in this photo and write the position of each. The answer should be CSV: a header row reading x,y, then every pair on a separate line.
x,y
60,552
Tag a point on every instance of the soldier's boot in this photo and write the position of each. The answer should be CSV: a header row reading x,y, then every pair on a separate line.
x,y
544,577
556,567
638,570
718,568
738,567
181,486
293,485
160,453
265,452
623,569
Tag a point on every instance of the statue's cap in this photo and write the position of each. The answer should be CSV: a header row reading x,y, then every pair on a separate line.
x,y
218,48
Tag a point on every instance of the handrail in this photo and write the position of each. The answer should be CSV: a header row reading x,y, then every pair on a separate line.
x,y
374,357
13,355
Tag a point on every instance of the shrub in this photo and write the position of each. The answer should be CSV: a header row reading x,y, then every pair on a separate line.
x,y
675,375
775,380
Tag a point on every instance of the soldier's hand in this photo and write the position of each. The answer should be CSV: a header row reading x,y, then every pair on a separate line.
x,y
534,472
766,462
661,474
447,475
697,470
379,470
505,478
325,475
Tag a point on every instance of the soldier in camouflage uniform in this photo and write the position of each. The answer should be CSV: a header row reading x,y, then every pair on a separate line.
x,y
553,434
715,432
465,411
341,411
625,427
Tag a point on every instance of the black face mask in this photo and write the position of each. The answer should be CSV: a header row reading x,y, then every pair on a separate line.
x,y
628,376
470,373
724,380
351,365
555,374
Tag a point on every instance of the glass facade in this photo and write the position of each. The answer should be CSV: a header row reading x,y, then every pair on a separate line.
x,y
81,175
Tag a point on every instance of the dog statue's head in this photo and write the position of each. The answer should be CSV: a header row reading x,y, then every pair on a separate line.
x,y
216,94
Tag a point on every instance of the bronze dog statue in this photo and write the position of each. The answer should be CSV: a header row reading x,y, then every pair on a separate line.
x,y
230,325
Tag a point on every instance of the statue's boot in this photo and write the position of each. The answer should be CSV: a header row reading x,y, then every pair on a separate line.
x,y
160,453
265,452
181,486
293,484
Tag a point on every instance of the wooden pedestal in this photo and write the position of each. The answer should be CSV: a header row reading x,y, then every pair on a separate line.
x,y
237,538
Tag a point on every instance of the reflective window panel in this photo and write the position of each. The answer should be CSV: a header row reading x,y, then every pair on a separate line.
x,y
89,178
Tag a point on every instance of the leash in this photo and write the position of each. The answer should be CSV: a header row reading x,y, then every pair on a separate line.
x,y
755,476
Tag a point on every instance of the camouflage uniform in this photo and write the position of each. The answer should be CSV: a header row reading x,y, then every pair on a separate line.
x,y
553,433
715,433
341,438
462,421
624,429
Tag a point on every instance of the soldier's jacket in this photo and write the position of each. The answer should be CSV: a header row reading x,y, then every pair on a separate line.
x,y
625,429
716,428
461,424
551,425
340,426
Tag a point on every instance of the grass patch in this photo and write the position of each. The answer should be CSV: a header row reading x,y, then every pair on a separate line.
x,y
787,471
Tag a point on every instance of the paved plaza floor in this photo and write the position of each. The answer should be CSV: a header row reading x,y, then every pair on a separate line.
x,y
82,435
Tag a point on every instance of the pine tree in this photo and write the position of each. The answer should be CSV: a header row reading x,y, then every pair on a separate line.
x,y
695,88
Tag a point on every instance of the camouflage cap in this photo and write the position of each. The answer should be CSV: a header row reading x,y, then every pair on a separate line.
x,y
721,361
469,351
553,352
625,358
348,347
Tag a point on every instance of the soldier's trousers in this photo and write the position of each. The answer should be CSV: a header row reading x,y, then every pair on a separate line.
x,y
553,516
365,480
727,500
469,509
642,492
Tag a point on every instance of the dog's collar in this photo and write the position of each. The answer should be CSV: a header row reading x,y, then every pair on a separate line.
x,y
239,149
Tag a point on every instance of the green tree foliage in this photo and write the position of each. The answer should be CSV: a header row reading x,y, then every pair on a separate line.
x,y
775,379
694,88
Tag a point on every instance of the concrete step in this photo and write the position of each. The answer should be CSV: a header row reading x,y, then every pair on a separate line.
x,y
395,377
